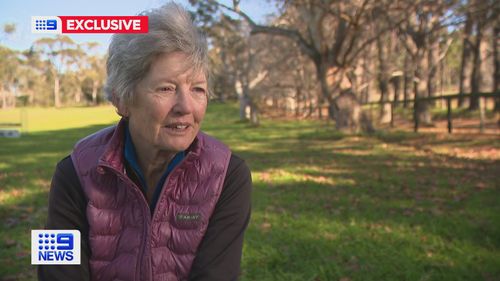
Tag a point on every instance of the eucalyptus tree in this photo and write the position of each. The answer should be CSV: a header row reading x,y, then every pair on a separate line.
x,y
60,52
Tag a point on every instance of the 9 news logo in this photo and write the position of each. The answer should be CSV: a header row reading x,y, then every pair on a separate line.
x,y
55,247
46,24
89,24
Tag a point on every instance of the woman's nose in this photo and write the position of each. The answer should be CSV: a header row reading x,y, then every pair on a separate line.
x,y
184,101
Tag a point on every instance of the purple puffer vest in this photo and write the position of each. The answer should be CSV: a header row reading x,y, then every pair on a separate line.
x,y
126,243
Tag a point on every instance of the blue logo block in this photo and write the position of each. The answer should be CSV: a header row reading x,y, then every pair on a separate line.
x,y
46,24
51,25
55,247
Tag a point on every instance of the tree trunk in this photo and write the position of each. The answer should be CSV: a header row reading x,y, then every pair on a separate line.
x,y
276,101
345,109
325,90
78,95
407,80
254,114
422,107
432,57
365,81
396,85
31,97
13,99
4,97
298,97
476,68
57,101
441,83
496,72
465,66
243,99
348,114
244,106
222,96
95,84
310,105
320,109
382,77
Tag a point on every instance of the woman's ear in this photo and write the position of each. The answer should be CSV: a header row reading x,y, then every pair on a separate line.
x,y
122,110
121,107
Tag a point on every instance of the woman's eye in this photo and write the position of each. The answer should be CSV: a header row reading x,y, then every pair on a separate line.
x,y
166,89
199,90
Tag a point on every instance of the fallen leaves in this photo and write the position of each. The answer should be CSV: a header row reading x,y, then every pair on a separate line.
x,y
480,185
265,226
11,222
22,254
329,236
9,243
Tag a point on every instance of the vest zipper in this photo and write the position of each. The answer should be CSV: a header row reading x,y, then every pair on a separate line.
x,y
165,184
147,217
162,194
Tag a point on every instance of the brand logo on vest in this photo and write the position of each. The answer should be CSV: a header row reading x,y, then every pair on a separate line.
x,y
188,217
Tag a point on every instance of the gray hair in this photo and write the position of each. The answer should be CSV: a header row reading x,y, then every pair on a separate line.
x,y
130,56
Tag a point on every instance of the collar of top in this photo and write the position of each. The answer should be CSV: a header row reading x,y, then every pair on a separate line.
x,y
114,156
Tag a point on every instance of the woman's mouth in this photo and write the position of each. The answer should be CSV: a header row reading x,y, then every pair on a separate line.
x,y
178,127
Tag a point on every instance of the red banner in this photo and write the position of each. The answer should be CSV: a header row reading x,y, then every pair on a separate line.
x,y
104,24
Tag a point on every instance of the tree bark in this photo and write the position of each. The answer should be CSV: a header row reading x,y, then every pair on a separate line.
x,y
31,97
408,81
254,114
465,66
57,100
244,105
396,85
95,84
433,62
325,91
496,72
476,67
78,95
4,97
383,77
365,91
421,73
298,98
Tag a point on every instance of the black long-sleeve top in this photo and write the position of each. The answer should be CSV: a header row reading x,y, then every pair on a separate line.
x,y
218,256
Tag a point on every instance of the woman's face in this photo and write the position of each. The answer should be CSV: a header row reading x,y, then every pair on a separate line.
x,y
169,105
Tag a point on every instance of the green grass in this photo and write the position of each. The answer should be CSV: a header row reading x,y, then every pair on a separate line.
x,y
326,206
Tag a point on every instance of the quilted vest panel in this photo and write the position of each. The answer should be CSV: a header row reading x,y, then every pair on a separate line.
x,y
126,243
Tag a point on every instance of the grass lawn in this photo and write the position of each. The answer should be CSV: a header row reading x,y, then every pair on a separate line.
x,y
326,206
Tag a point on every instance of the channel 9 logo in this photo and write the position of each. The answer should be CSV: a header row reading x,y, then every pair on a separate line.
x,y
55,247
89,24
46,24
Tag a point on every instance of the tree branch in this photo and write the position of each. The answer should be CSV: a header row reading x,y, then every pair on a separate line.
x,y
307,48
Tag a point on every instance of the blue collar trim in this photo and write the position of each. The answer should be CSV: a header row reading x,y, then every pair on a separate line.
x,y
131,158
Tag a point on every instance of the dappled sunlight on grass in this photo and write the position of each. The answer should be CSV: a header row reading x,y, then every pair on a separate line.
x,y
12,195
16,194
337,240
26,167
468,146
353,248
273,177
326,205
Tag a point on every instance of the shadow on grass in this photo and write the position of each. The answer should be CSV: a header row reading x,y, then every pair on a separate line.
x,y
439,215
27,164
326,206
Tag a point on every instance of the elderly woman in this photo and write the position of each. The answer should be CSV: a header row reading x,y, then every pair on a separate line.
x,y
153,197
